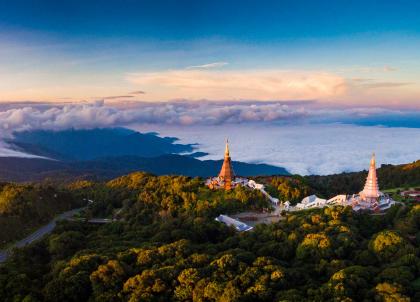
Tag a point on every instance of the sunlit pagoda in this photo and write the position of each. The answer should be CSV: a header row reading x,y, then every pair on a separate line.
x,y
227,174
226,178
371,191
371,198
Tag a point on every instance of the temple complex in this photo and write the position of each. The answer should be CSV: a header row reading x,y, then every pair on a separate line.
x,y
370,198
226,178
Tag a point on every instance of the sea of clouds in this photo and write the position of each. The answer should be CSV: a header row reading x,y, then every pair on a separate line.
x,y
305,149
300,136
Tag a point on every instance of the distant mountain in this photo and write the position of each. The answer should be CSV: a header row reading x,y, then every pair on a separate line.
x,y
95,143
176,164
108,153
36,169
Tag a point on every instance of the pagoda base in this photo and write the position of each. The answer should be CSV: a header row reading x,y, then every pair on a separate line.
x,y
218,183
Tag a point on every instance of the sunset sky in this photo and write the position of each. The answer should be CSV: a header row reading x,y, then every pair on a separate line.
x,y
331,52
312,86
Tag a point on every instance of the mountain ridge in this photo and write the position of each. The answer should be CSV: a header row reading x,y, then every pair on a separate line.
x,y
89,144
106,153
39,169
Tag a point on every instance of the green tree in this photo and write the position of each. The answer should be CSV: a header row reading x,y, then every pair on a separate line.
x,y
386,292
314,247
64,244
387,244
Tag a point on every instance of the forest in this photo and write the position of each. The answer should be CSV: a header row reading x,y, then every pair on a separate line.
x,y
24,207
166,246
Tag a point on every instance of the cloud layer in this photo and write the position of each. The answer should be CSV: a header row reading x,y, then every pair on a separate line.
x,y
28,116
304,149
301,137
98,114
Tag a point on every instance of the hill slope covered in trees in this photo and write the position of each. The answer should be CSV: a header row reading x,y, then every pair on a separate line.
x,y
26,207
168,247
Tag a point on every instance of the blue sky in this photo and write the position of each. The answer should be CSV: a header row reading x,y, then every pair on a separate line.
x,y
254,21
336,52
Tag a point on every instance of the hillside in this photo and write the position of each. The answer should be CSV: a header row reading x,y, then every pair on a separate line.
x,y
168,247
26,207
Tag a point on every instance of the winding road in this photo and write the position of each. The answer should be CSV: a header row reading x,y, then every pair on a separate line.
x,y
38,234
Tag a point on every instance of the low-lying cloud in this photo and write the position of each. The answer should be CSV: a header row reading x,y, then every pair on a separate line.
x,y
100,114
304,149
301,137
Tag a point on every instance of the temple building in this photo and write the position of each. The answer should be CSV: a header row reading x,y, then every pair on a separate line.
x,y
227,174
226,178
370,198
371,193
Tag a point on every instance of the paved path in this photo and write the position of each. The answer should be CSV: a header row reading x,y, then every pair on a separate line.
x,y
271,198
94,220
38,234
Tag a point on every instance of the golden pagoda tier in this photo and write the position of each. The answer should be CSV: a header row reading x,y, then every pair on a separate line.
x,y
227,174
227,178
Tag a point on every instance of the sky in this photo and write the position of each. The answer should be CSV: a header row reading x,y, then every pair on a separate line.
x,y
338,53
313,86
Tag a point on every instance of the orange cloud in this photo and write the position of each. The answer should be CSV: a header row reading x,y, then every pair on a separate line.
x,y
234,85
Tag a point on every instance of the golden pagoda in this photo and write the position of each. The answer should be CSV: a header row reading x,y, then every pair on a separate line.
x,y
227,174
226,179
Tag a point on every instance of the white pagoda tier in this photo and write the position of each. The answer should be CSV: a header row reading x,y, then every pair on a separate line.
x,y
371,191
371,198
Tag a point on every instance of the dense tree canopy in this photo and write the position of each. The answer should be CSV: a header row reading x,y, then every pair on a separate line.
x,y
287,188
23,207
167,246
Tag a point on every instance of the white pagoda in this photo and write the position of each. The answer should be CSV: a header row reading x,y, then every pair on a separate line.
x,y
370,198
371,191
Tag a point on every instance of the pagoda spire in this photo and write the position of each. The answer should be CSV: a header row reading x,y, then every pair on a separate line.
x,y
373,161
227,148
371,189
